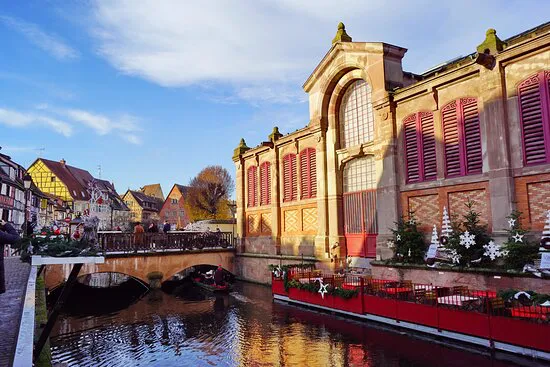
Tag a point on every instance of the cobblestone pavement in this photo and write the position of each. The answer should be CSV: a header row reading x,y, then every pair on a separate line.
x,y
11,307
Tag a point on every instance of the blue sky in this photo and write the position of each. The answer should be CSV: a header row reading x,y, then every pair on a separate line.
x,y
155,90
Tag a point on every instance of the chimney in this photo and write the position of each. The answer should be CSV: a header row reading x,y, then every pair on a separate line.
x,y
62,161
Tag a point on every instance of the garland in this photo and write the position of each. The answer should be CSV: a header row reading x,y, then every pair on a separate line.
x,y
49,244
314,288
276,270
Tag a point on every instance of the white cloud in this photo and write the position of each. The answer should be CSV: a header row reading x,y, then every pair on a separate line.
x,y
131,138
243,45
28,119
47,42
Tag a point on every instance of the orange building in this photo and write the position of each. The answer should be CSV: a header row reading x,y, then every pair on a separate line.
x,y
173,210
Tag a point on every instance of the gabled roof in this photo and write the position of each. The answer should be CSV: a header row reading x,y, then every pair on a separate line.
x,y
153,190
141,198
182,189
65,174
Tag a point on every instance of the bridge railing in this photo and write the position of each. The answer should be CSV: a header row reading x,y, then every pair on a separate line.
x,y
151,242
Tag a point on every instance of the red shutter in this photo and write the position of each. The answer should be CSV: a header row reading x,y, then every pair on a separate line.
x,y
411,149
531,97
429,164
451,140
312,154
289,178
252,186
265,184
472,136
308,173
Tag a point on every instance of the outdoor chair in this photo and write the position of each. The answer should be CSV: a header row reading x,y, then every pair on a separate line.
x,y
497,306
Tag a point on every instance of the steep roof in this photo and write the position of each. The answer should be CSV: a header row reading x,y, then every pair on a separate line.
x,y
64,172
182,189
141,198
153,190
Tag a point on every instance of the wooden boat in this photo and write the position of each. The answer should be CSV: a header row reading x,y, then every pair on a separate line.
x,y
213,287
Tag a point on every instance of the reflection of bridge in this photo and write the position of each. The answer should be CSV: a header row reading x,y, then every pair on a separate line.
x,y
138,255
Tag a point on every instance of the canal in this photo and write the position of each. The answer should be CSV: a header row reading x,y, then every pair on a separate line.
x,y
193,328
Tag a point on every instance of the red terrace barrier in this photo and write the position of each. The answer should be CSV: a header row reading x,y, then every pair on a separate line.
x,y
457,309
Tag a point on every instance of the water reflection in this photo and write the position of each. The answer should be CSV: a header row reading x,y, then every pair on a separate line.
x,y
245,328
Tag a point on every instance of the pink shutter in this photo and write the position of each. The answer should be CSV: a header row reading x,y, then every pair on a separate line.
x,y
286,178
304,175
312,155
293,177
429,164
531,96
451,140
252,183
289,177
265,184
411,149
472,136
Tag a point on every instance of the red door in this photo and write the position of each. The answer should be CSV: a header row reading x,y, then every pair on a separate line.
x,y
360,227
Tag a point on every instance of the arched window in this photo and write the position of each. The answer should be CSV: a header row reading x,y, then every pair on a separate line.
x,y
356,116
290,185
308,173
252,186
420,160
265,183
462,137
534,109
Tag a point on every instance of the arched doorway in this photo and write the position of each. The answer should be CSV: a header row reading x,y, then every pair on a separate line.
x,y
359,205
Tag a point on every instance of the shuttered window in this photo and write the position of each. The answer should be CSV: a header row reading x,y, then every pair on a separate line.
x,y
308,173
534,107
356,115
420,157
462,138
265,183
290,186
252,186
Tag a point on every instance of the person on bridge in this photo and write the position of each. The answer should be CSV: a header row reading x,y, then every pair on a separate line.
x,y
8,236
218,276
138,234
166,227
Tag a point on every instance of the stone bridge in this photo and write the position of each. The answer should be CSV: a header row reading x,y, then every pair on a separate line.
x,y
167,254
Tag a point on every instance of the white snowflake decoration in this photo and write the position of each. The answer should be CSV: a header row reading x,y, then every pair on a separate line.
x,y
391,244
323,289
412,221
398,238
518,238
454,256
492,250
467,240
511,222
409,252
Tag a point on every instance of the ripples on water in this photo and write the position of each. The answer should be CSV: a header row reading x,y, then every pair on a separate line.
x,y
241,329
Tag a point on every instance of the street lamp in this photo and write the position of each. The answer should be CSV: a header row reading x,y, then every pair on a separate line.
x,y
27,182
233,208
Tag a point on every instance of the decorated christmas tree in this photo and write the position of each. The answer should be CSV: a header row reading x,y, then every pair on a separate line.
x,y
446,228
408,241
469,243
545,239
519,251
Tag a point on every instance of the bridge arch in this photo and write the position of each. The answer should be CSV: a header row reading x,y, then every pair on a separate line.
x,y
139,265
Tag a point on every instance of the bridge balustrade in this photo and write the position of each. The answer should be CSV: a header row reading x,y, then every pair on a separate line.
x,y
150,242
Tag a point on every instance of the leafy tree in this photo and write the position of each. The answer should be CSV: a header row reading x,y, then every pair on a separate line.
x,y
208,194
409,241
520,250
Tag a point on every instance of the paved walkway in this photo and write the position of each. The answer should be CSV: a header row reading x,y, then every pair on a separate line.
x,y
11,307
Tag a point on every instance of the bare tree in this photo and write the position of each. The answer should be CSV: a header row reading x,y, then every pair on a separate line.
x,y
208,194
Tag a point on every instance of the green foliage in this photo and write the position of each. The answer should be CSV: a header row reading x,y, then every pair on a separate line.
x,y
285,269
519,253
343,293
314,288
472,255
536,298
52,245
409,241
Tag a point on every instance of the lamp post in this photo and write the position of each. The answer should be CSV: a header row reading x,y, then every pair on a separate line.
x,y
233,208
68,212
27,182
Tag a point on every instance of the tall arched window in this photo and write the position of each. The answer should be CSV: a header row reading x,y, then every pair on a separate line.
x,y
265,183
359,199
356,115
290,184
420,159
534,108
308,173
462,137
252,186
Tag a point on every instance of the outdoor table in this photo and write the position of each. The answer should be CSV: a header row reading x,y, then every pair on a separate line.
x,y
531,312
456,300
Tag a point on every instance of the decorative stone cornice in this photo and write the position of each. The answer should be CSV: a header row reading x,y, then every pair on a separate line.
x,y
492,44
341,35
275,135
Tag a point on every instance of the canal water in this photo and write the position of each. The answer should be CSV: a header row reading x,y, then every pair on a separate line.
x,y
194,328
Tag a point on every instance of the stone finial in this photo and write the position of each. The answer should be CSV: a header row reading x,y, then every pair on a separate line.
x,y
241,148
341,35
492,44
275,135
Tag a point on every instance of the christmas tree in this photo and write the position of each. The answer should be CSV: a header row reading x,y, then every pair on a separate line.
x,y
446,228
519,251
545,239
409,241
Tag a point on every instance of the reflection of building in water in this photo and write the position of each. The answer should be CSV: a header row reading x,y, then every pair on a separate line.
x,y
103,280
381,142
